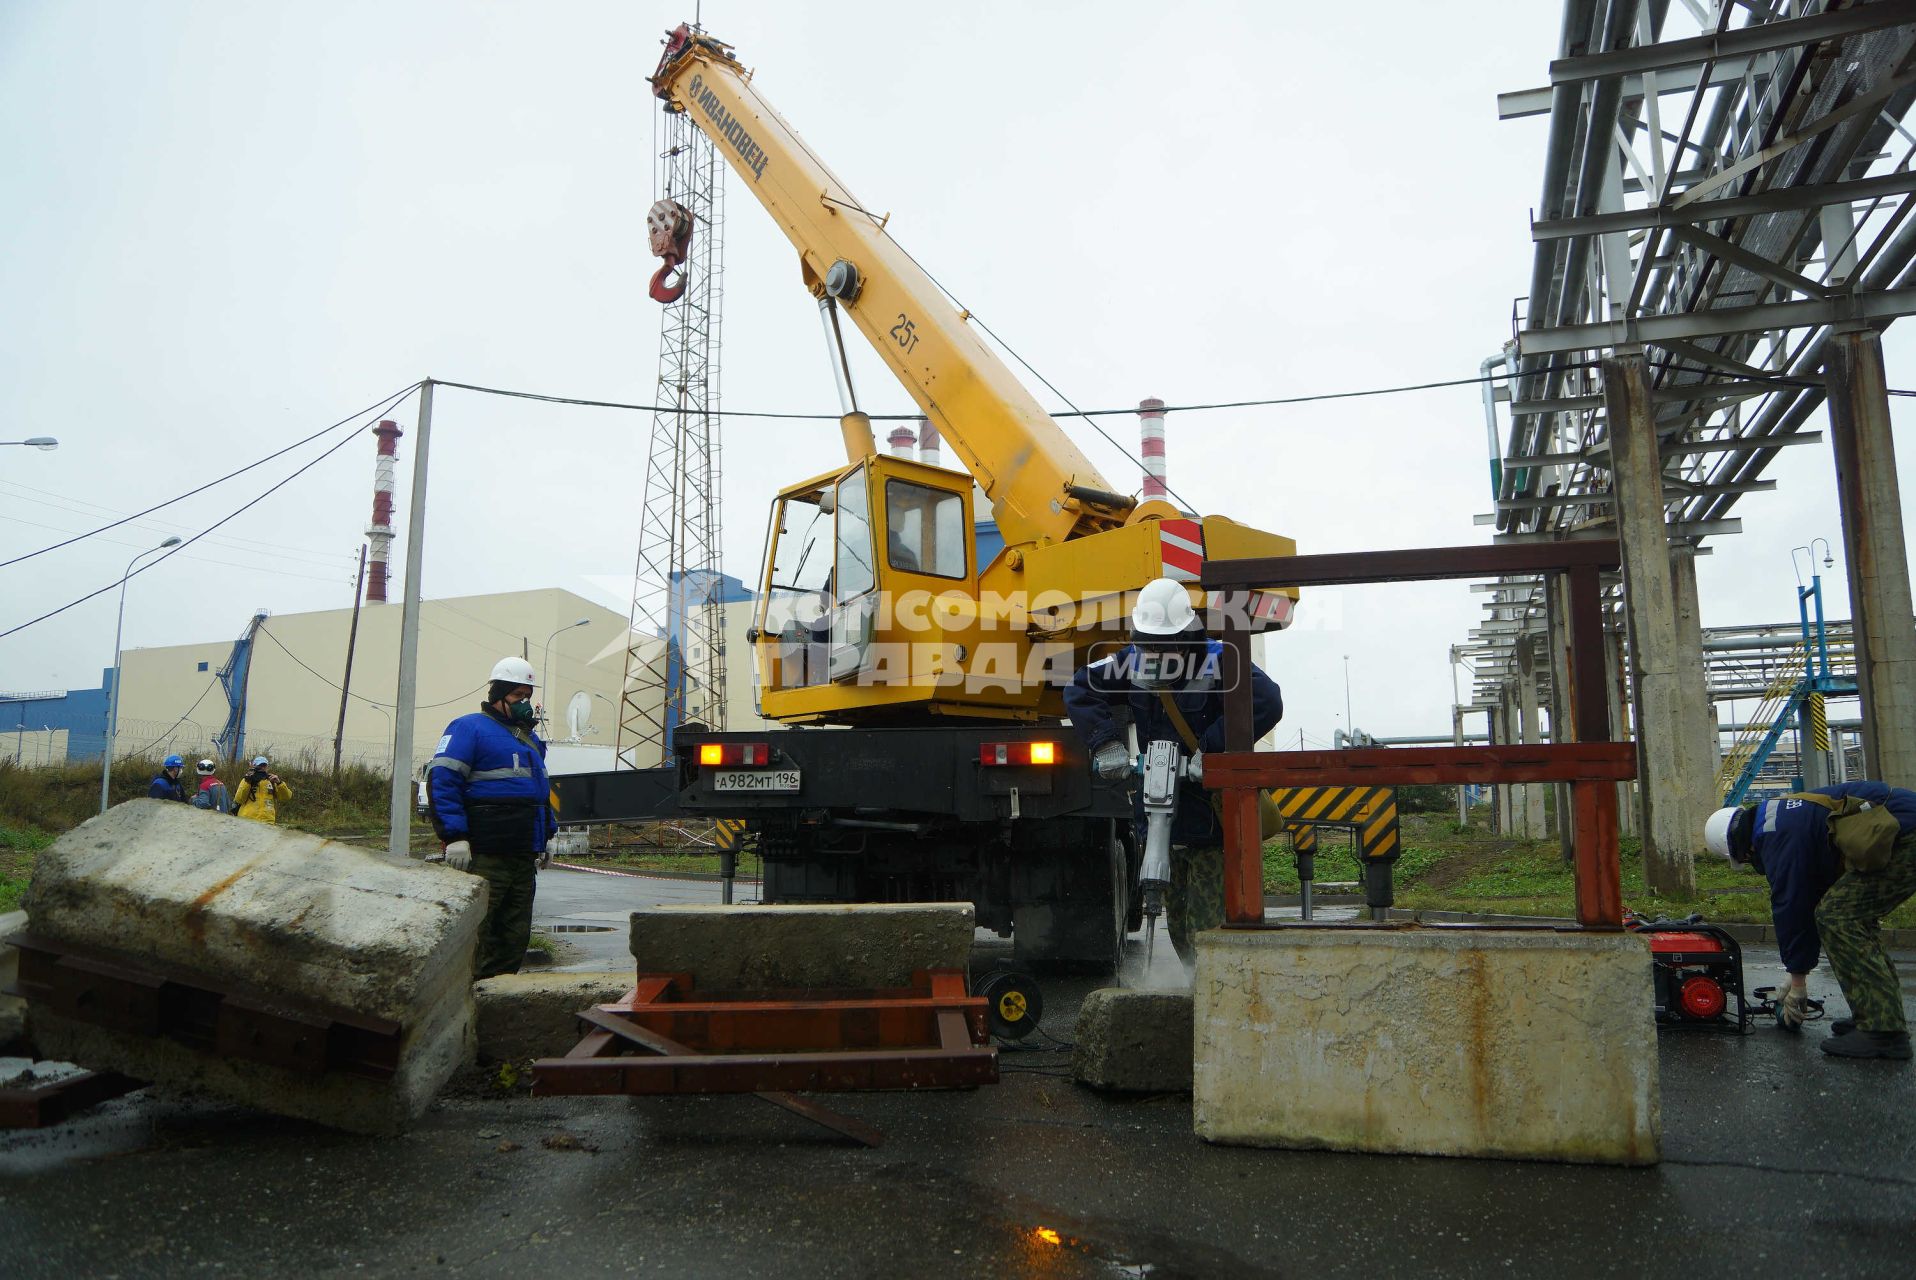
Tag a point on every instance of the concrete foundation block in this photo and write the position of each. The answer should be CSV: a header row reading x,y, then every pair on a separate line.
x,y
255,908
535,1015
764,948
1481,1042
1134,1041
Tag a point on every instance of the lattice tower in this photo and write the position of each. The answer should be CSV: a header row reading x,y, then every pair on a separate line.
x,y
675,659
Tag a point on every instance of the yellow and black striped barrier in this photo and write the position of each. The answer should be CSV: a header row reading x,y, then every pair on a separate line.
x,y
731,834
1369,811
1819,723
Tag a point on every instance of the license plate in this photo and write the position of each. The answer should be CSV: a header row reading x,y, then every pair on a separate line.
x,y
755,780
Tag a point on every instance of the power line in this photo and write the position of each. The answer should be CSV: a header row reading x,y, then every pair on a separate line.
x,y
232,515
245,546
276,570
177,723
384,405
389,706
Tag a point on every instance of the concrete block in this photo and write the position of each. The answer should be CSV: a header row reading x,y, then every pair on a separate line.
x,y
1136,1041
254,907
13,1010
535,1015
1482,1042
763,948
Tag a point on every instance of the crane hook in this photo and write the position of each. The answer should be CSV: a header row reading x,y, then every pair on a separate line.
x,y
668,226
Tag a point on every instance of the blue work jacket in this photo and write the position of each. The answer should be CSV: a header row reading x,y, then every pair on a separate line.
x,y
165,788
1791,839
1100,688
487,784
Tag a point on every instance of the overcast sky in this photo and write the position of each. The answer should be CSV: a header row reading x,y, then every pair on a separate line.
x,y
227,225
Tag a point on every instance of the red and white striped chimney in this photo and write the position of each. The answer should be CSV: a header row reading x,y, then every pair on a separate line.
x,y
1151,446
928,443
901,441
380,533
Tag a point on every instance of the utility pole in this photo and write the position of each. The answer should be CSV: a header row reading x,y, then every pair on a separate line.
x,y
399,813
346,681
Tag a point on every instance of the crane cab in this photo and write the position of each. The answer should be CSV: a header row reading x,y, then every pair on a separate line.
x,y
868,608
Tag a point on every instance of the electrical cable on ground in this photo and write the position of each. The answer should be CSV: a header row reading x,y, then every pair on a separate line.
x,y
345,440
385,405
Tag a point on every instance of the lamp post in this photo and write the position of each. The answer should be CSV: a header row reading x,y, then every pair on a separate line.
x,y
35,442
1350,726
545,674
113,701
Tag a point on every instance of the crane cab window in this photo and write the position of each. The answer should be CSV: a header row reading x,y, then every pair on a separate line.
x,y
924,529
802,552
856,574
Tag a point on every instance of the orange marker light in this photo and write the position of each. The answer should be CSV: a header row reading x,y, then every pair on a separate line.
x,y
711,753
1044,752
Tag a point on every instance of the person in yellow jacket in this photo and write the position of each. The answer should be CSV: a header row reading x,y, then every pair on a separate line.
x,y
261,793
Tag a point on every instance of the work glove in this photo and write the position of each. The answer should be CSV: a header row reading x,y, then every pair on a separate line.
x,y
1194,767
1792,1007
459,855
1111,761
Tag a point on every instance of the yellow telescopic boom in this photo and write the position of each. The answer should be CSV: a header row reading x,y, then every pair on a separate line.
x,y
1043,490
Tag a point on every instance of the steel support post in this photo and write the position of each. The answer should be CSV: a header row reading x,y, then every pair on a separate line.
x,y
1696,751
1530,729
1670,824
1879,591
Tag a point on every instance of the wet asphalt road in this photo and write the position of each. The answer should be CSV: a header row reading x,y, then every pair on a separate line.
x,y
1776,1159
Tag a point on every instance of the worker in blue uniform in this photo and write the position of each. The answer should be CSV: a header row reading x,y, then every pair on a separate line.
x,y
166,785
490,801
1816,900
1170,672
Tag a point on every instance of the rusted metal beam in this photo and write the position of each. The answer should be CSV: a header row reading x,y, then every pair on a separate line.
x,y
142,997
39,1105
1352,568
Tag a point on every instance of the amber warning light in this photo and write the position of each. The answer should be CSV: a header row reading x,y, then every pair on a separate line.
x,y
991,753
735,753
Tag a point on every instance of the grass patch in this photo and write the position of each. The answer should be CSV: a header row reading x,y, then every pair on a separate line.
x,y
17,847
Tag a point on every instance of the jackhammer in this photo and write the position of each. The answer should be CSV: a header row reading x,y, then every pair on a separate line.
x,y
1163,767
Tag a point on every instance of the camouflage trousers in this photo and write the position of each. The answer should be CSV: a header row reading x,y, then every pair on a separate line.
x,y
1848,920
1194,900
511,880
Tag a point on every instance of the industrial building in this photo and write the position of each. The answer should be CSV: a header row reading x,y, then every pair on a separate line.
x,y
285,672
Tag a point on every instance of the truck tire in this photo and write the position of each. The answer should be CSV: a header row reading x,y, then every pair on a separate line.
x,y
1083,930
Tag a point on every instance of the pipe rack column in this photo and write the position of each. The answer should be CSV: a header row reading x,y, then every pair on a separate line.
x,y
1530,727
1670,830
1878,566
1696,751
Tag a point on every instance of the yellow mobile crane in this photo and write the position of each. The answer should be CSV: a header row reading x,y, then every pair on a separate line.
x,y
953,779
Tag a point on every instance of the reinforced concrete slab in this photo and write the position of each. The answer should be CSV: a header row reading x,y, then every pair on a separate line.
x,y
765,948
1133,1041
1535,1044
277,913
535,1015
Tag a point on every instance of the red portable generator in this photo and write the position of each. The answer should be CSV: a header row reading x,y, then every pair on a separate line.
x,y
1698,969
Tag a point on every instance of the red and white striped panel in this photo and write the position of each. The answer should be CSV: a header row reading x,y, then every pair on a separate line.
x,y
1269,606
1181,549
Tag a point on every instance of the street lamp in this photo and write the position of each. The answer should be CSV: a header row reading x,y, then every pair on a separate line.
x,y
113,702
546,673
36,442
1350,726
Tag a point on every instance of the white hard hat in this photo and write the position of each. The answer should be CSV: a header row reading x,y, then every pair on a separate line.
x,y
514,671
1716,833
205,766
1163,608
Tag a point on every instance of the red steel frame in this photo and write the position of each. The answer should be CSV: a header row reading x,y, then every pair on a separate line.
x,y
1590,763
931,1035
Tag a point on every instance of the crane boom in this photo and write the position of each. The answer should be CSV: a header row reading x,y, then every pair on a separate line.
x,y
1042,488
